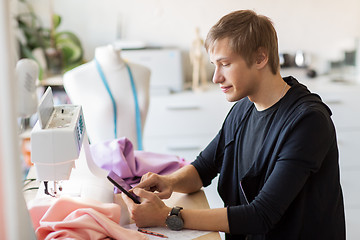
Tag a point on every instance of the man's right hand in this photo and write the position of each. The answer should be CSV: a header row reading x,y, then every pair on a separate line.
x,y
160,185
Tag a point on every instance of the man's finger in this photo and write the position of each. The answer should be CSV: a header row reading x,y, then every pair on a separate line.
x,y
164,195
128,201
144,194
147,184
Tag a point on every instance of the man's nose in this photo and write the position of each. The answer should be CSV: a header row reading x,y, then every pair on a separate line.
x,y
218,77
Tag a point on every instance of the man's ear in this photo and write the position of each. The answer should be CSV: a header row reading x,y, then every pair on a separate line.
x,y
261,58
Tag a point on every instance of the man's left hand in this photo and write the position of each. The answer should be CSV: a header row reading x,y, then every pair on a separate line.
x,y
151,212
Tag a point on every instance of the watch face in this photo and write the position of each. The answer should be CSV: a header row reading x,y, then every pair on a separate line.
x,y
175,222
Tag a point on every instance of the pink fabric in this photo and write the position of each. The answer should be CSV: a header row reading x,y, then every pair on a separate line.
x,y
75,218
119,156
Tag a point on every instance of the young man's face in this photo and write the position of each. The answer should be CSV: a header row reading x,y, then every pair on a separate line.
x,y
235,78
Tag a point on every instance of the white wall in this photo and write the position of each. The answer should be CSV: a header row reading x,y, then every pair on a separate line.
x,y
323,28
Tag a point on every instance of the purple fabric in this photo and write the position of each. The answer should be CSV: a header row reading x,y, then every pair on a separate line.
x,y
119,156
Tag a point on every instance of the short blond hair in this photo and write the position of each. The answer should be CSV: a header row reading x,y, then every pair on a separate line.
x,y
246,32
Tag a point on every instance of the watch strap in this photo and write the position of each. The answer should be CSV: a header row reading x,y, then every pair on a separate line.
x,y
175,211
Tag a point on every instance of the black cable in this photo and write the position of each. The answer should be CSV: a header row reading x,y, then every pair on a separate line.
x,y
28,181
30,188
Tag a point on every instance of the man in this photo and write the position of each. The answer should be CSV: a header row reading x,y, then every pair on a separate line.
x,y
276,152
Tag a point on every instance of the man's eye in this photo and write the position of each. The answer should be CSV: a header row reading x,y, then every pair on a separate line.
x,y
226,64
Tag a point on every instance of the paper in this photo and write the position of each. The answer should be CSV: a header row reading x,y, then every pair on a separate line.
x,y
184,234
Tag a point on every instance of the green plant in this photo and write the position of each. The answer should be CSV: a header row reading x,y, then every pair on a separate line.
x,y
61,49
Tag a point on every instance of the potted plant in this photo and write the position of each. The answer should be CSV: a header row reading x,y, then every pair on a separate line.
x,y
62,50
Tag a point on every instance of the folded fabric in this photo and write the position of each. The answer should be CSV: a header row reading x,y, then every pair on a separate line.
x,y
119,156
77,218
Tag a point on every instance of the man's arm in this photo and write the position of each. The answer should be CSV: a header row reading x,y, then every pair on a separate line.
x,y
153,212
206,219
184,180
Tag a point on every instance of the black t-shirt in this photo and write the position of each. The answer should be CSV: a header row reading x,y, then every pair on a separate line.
x,y
256,127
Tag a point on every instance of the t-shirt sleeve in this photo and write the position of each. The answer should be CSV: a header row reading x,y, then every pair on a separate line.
x,y
302,154
208,162
205,163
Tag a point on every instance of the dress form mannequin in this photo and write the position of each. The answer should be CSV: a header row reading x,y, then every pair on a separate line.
x,y
85,87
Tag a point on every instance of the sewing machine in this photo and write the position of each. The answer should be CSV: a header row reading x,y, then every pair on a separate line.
x,y
56,146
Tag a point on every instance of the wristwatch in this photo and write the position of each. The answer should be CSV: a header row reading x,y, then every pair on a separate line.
x,y
174,220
